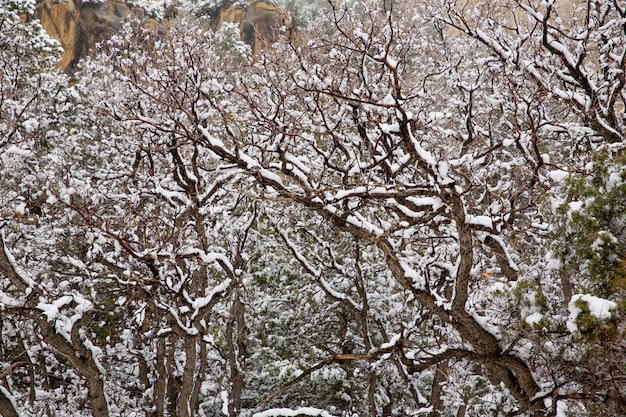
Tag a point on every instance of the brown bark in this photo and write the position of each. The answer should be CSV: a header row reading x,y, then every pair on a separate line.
x,y
436,400
74,350
173,383
6,406
512,371
8,269
235,337
161,378
566,285
81,359
195,399
184,401
503,262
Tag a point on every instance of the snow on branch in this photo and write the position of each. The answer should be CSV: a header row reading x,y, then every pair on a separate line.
x,y
287,412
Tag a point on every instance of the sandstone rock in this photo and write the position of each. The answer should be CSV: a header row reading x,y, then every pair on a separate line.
x,y
259,22
79,25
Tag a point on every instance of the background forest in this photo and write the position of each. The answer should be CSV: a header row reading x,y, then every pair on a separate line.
x,y
396,209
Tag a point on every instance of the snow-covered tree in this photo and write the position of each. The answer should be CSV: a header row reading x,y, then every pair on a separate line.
x,y
415,209
44,349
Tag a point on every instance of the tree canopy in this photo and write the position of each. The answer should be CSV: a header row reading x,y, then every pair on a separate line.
x,y
403,210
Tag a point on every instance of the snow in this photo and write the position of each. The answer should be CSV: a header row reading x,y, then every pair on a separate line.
x,y
389,128
76,262
190,330
202,302
426,201
362,190
614,180
26,279
213,141
553,261
96,354
14,150
211,257
8,301
509,259
51,311
225,401
485,221
561,407
250,162
336,294
413,275
286,412
294,289
62,323
598,307
422,153
9,397
298,163
533,318
31,125
394,340
487,325
558,175
358,221
269,175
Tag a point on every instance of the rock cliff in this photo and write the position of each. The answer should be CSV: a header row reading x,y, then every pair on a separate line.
x,y
79,25
259,22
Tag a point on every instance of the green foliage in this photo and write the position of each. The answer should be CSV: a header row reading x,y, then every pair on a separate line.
x,y
481,398
591,327
590,233
228,37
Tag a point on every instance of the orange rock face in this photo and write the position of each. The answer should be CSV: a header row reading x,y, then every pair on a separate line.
x,y
79,25
259,22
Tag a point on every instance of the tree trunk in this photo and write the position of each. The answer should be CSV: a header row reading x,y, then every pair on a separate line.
x,y
235,337
441,376
7,408
184,401
566,285
82,360
161,378
173,383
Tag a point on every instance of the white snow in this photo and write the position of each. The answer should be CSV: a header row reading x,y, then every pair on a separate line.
x,y
14,150
336,294
9,397
225,400
480,221
286,412
413,275
598,307
426,201
614,180
201,302
389,128
394,340
62,323
51,311
533,318
26,279
358,221
269,175
558,175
